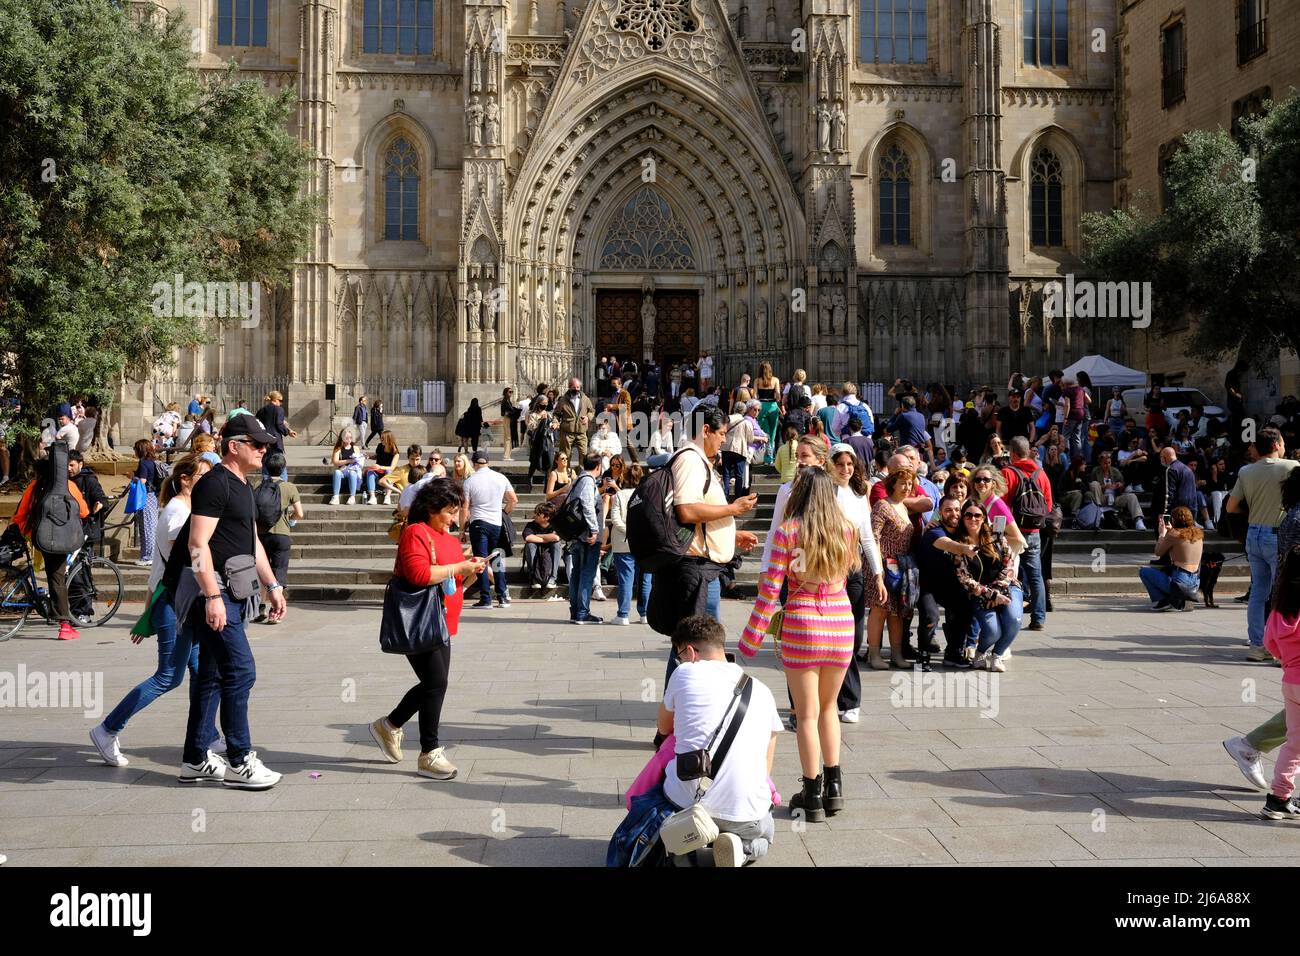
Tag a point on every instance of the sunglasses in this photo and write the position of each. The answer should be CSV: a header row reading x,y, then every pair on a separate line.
x,y
983,481
256,445
973,516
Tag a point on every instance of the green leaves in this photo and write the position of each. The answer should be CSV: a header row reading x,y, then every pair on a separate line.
x,y
122,170
1224,250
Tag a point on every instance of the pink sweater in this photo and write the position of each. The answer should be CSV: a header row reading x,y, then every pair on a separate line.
x,y
1282,639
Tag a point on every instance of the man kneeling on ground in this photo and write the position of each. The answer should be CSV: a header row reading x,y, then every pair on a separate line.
x,y
699,693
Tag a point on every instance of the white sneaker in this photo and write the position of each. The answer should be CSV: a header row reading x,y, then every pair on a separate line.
x,y
728,851
621,620
557,597
1137,489
372,500
388,498
106,744
641,619
851,716
598,594
252,775
142,563
352,499
1248,761
213,768
334,500
996,663
982,661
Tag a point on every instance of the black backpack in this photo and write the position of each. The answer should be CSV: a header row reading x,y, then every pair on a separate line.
x,y
1030,506
794,398
57,528
569,520
269,507
654,535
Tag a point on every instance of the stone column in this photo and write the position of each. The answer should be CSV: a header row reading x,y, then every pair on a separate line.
x,y
985,256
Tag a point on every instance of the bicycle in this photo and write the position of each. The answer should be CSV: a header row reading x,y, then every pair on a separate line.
x,y
94,592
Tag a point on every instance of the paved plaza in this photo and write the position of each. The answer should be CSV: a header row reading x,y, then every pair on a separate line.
x,y
1101,745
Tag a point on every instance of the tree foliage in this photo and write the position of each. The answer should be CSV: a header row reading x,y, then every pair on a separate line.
x,y
123,169
1226,249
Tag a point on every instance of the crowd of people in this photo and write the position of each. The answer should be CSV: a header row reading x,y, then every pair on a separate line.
x,y
885,525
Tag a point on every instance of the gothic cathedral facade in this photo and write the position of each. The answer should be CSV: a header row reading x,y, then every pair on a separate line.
x,y
510,188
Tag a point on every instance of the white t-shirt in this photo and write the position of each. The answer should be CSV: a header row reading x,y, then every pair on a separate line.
x,y
70,434
486,489
170,521
407,497
706,368
698,695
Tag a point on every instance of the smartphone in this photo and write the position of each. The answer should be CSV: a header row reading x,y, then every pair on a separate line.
x,y
731,657
999,524
495,556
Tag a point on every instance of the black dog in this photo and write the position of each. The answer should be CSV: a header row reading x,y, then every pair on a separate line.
x,y
1211,565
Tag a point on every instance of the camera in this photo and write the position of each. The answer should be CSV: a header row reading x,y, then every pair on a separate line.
x,y
694,764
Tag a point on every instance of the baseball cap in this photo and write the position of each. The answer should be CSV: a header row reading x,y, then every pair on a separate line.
x,y
64,410
246,425
480,458
970,404
840,446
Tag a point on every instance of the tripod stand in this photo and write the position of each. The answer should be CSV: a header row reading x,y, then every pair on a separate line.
x,y
331,436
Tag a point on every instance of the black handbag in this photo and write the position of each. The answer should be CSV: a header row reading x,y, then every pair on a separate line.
x,y
414,620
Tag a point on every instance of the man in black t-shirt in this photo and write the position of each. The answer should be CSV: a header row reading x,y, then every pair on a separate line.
x,y
940,587
1015,419
222,536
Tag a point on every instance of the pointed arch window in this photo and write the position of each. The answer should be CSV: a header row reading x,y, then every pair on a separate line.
x,y
647,235
398,26
1045,186
401,192
241,22
895,197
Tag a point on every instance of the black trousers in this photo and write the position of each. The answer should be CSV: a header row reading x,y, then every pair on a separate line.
x,y
956,620
540,458
851,690
56,576
426,697
278,548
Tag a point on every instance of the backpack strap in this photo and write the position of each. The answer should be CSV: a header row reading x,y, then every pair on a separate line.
x,y
708,482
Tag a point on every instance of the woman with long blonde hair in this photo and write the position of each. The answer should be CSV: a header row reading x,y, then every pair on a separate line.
x,y
814,551
768,387
461,468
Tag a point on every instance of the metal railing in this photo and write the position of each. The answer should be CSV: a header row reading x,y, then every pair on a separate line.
x,y
1251,40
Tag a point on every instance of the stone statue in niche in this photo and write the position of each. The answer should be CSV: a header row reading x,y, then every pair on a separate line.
x,y
823,129
543,321
648,326
560,317
524,315
474,309
492,124
760,323
474,116
720,323
825,314
840,307
782,317
742,323
838,133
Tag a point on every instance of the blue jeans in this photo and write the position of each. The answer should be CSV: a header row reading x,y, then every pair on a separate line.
x,y
226,673
582,578
628,582
1031,577
353,481
734,467
1074,436
1173,585
1261,551
371,478
174,658
1000,625
483,538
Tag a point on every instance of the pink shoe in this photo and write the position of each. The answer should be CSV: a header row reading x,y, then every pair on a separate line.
x,y
67,632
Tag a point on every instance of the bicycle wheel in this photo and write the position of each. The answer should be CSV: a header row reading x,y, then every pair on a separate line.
x,y
95,596
15,605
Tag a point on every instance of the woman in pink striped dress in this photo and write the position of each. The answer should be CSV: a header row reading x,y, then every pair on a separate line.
x,y
816,547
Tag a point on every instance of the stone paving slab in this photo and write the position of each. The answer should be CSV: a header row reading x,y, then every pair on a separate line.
x,y
1113,714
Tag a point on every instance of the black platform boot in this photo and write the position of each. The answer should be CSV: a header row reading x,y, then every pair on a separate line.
x,y
809,800
834,796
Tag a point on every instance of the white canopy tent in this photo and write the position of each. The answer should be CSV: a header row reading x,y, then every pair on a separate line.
x,y
1105,373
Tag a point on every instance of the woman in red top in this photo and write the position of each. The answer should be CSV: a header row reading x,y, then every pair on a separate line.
x,y
429,555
